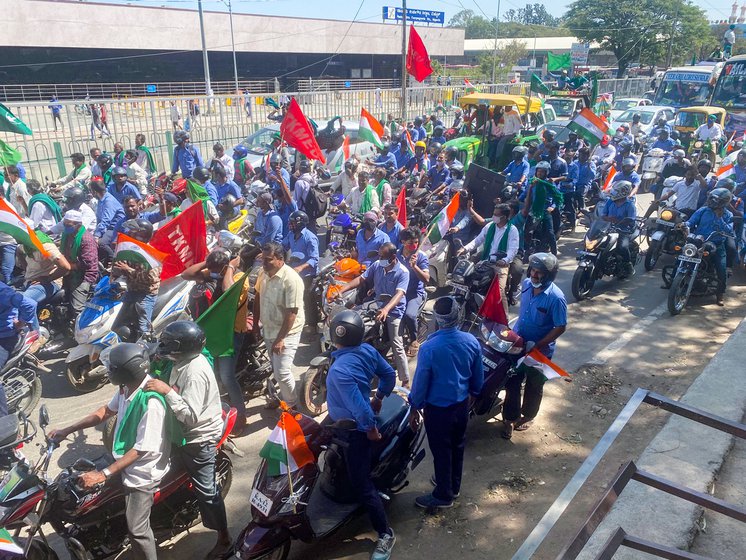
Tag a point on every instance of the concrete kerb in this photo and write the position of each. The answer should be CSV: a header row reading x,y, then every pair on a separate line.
x,y
685,452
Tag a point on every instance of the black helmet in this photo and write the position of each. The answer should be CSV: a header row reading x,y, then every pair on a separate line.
x,y
418,121
435,147
275,158
298,218
522,150
385,147
347,328
201,174
118,170
305,165
438,131
73,198
457,170
636,116
705,162
446,311
181,136
451,152
140,229
351,164
549,133
104,160
181,340
227,203
719,198
126,363
545,263
726,183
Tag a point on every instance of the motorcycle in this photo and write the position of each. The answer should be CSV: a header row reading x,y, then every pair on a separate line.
x,y
469,284
652,165
12,440
599,257
695,272
92,522
342,228
663,235
20,376
326,285
314,501
101,325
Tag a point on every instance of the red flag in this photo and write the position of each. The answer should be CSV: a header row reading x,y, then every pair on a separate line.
x,y
401,203
492,308
183,239
418,61
298,133
346,147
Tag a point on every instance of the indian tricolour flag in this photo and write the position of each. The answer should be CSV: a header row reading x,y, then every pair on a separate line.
x,y
441,223
7,544
546,367
286,449
410,143
12,224
370,129
469,86
134,251
725,171
588,126
609,178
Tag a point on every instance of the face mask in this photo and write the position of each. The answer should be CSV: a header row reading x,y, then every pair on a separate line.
x,y
383,262
70,229
536,284
215,275
496,219
411,246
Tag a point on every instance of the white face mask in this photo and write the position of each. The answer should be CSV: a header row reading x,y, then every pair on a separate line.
x,y
383,262
535,284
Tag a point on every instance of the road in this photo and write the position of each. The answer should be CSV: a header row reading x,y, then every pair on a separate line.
x,y
620,339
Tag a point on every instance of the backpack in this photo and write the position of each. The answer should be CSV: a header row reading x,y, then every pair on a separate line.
x,y
316,203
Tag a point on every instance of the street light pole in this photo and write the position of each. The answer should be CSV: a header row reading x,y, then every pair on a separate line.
x,y
205,61
233,47
494,53
404,62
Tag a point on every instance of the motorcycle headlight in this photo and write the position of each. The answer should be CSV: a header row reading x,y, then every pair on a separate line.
x,y
667,215
689,250
590,244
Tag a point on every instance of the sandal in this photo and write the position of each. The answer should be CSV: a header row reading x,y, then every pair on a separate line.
x,y
523,425
413,348
507,432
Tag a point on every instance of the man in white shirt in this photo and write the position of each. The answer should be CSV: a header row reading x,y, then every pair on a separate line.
x,y
347,180
79,176
136,174
224,159
687,191
354,201
711,130
17,192
141,446
498,241
41,208
512,125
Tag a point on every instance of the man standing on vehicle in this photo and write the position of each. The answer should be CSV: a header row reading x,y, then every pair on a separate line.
x,y
192,394
512,125
449,373
80,249
141,445
542,320
186,156
354,365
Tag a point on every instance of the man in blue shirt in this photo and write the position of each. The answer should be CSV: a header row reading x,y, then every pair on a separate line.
x,y
401,153
620,209
449,370
628,174
418,163
16,312
739,169
353,367
437,176
388,278
268,226
109,212
224,186
303,246
386,158
186,156
277,174
517,170
368,239
391,225
542,320
664,141
120,187
419,134
418,265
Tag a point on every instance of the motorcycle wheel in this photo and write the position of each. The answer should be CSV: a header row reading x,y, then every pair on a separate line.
x,y
39,550
677,296
75,375
652,255
223,473
313,390
28,402
279,553
582,283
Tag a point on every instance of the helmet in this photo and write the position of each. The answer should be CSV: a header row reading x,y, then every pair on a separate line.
x,y
726,183
275,158
620,190
435,147
679,153
636,117
396,138
605,140
347,328
181,136
624,146
719,198
126,363
305,166
624,127
705,163
628,161
543,165
549,134
446,311
298,218
139,228
418,121
181,340
438,131
74,197
227,203
118,170
385,147
104,160
420,144
457,170
451,152
522,150
351,164
547,264
201,174
241,151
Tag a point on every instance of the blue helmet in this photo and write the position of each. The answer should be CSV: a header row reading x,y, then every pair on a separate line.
x,y
241,151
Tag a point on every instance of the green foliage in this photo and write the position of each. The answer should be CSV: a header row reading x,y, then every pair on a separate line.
x,y
504,59
478,27
532,14
437,67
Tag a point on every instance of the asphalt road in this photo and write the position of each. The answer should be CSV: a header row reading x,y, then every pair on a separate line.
x,y
622,322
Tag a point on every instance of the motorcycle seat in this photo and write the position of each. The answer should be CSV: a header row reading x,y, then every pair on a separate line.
x,y
8,429
393,412
168,289
57,298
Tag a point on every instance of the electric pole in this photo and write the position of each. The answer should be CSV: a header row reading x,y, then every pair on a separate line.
x,y
205,61
404,62
233,47
494,53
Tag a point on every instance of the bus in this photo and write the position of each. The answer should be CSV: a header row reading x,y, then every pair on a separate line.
x,y
686,86
730,94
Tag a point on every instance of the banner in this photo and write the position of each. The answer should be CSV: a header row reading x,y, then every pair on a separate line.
x,y
298,133
183,239
10,123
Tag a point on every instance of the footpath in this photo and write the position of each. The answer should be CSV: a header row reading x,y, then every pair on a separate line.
x,y
695,456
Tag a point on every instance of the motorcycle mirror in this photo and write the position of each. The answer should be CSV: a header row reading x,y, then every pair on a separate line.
x,y
43,416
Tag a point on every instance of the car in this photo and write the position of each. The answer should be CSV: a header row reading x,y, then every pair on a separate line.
x,y
559,126
649,115
567,105
626,103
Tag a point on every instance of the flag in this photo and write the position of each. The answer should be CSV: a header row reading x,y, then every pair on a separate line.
x,y
298,133
8,155
546,368
401,204
418,61
134,251
603,102
469,86
609,178
370,129
558,61
15,226
725,171
588,126
410,142
441,223
286,449
492,306
217,322
183,239
7,544
10,123
537,86
346,147
594,92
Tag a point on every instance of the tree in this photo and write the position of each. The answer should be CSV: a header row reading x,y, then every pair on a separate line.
x,y
501,60
475,27
640,29
532,14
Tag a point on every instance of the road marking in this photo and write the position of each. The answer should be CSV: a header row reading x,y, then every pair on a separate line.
x,y
611,350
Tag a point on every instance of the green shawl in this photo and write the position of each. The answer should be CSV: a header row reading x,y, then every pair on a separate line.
x,y
126,435
502,246
149,155
73,256
541,191
49,202
198,192
367,204
379,191
107,176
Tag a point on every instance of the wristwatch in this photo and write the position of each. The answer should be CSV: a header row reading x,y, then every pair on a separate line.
x,y
107,473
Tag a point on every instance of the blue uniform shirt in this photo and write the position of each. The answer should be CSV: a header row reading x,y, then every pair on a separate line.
x,y
421,163
388,282
420,132
440,139
388,160
269,226
626,210
632,177
109,213
416,286
704,222
306,247
449,369
212,192
275,183
127,190
586,175
438,176
14,305
348,384
665,145
229,187
402,156
393,233
558,168
515,171
540,313
186,160
568,185
366,246
739,175
284,211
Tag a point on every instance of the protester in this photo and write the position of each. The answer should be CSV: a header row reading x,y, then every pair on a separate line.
x,y
80,174
17,193
303,247
145,157
136,175
79,248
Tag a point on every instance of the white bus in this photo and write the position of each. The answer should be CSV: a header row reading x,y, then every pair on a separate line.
x,y
686,86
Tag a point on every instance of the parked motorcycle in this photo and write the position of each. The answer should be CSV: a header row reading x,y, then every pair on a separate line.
x,y
12,439
92,522
319,500
327,283
20,375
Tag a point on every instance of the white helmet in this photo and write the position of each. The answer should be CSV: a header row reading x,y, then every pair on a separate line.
x,y
620,190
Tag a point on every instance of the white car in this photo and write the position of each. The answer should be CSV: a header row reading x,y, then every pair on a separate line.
x,y
626,103
649,116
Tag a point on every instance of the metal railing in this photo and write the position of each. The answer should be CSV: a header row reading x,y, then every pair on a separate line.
x,y
223,118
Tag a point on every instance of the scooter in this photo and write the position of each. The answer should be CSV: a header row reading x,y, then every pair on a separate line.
x,y
20,375
319,500
92,522
652,165
101,325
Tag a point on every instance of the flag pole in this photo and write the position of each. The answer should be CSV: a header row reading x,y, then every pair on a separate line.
x,y
287,458
404,62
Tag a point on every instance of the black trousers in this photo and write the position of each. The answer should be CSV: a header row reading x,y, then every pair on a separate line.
x,y
309,303
533,392
446,435
199,461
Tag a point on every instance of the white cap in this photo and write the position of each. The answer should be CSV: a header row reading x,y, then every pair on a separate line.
x,y
74,216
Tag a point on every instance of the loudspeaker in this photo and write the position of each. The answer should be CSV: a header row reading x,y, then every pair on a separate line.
x,y
484,185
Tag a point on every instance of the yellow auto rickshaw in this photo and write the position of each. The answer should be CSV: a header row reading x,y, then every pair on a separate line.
x,y
689,119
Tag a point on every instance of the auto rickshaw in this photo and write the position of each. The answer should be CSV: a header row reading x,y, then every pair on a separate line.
x,y
689,119
532,114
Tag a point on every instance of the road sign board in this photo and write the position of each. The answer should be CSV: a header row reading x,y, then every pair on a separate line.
x,y
151,88
579,53
414,16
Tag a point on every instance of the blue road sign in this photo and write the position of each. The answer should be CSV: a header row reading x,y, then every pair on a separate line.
x,y
414,16
151,88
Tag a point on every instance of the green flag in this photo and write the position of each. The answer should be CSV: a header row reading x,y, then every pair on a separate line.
x,y
218,320
594,93
10,123
558,61
8,155
537,86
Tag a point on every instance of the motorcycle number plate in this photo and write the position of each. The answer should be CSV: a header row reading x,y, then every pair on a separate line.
x,y
664,223
261,502
93,306
489,363
689,259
